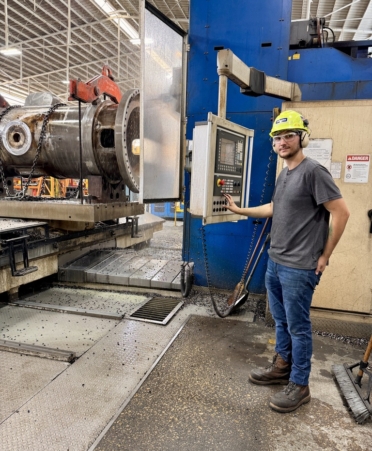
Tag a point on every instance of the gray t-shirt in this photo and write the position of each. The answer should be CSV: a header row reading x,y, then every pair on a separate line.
x,y
300,222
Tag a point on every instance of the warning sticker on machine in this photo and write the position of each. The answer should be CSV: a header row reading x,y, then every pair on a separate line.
x,y
357,168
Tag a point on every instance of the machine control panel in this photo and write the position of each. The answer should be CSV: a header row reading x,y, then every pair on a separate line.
x,y
221,165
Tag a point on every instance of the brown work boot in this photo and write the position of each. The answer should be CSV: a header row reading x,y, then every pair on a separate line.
x,y
291,397
277,373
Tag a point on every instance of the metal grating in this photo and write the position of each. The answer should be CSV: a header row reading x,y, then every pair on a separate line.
x,y
157,310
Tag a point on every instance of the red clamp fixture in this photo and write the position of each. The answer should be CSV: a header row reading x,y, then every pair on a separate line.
x,y
3,102
90,91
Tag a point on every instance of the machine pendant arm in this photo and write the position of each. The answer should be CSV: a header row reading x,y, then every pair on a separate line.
x,y
253,82
90,91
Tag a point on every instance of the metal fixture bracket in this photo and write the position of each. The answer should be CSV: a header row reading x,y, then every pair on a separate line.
x,y
10,244
133,220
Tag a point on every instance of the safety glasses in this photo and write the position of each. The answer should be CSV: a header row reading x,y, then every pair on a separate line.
x,y
287,137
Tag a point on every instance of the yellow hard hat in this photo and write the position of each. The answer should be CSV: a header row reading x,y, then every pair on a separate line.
x,y
289,120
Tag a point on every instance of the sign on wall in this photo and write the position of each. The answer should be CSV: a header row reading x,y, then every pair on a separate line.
x,y
321,151
357,168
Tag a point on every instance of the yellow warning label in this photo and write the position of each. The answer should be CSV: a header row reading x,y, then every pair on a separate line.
x,y
296,56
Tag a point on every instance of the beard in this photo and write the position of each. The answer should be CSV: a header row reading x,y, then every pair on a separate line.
x,y
289,153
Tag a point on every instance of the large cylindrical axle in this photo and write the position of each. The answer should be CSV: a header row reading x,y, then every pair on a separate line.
x,y
109,140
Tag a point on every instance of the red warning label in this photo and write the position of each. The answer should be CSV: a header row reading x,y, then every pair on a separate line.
x,y
358,157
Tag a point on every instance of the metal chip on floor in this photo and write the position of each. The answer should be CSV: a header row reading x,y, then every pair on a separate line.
x,y
157,310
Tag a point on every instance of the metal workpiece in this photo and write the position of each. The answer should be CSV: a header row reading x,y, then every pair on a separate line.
x,y
106,143
72,410
16,138
127,135
59,157
98,135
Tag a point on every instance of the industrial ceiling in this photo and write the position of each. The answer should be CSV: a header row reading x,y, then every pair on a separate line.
x,y
58,40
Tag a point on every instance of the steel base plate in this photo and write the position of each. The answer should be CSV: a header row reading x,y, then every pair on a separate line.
x,y
69,211
22,378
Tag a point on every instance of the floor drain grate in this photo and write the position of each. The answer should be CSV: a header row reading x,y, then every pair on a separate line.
x,y
157,310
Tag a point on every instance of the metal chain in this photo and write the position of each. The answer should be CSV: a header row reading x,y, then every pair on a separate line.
x,y
76,191
6,110
42,188
238,292
39,146
2,174
3,179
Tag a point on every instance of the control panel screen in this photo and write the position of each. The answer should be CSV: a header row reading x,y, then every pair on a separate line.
x,y
229,152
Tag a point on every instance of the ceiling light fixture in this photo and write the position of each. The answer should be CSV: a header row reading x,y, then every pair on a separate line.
x,y
10,51
123,24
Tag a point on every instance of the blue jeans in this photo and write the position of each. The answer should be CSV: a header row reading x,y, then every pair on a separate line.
x,y
290,293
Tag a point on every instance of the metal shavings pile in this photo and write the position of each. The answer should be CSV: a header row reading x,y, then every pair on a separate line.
x,y
362,342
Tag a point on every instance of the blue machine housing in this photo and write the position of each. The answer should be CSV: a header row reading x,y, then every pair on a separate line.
x,y
330,74
259,34
261,40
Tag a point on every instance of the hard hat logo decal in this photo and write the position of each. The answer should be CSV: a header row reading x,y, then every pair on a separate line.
x,y
283,119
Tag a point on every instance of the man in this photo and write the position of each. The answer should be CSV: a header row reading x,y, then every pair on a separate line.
x,y
302,241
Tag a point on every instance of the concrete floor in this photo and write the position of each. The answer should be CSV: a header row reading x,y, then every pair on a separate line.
x,y
195,396
198,398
